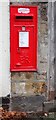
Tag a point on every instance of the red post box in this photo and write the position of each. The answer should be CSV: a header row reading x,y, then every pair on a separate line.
x,y
23,38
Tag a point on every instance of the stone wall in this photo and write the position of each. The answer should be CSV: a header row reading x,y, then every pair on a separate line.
x,y
34,83
51,58
55,48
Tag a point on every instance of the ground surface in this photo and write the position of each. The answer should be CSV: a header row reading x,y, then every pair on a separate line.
x,y
27,108
13,115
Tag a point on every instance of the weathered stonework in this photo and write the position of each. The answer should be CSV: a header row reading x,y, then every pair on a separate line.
x,y
28,88
34,83
50,75
54,60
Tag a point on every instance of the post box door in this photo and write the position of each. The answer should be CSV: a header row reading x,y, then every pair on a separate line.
x,y
24,49
23,40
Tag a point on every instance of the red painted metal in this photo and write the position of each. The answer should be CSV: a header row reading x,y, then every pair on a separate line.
x,y
23,58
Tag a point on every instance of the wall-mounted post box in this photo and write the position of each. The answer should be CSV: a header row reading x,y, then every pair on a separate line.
x,y
23,38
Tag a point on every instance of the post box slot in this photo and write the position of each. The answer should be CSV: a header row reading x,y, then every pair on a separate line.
x,y
24,18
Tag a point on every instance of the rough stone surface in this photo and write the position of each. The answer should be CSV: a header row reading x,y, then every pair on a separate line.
x,y
28,103
31,83
55,48
50,75
29,88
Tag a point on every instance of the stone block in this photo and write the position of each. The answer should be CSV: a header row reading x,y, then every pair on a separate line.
x,y
28,88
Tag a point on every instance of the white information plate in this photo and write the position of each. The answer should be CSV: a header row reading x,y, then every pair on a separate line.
x,y
23,10
23,39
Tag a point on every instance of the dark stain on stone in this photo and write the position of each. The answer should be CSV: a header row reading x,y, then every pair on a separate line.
x,y
12,74
19,74
43,12
54,60
28,75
